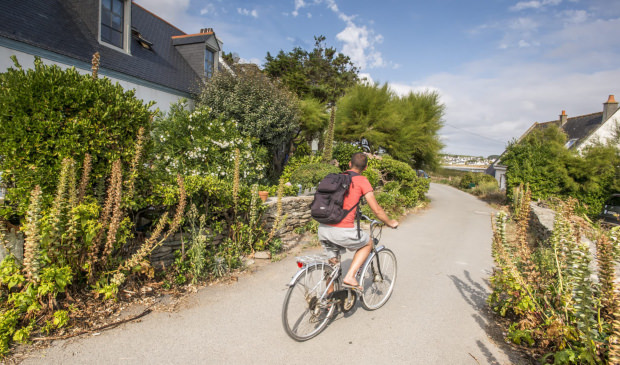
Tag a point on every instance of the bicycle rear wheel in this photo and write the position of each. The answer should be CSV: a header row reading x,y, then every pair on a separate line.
x,y
304,313
378,278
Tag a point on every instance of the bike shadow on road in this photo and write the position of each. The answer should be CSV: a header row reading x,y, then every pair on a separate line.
x,y
475,294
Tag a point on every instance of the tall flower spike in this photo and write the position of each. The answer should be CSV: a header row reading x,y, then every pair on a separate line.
x,y
95,65
32,231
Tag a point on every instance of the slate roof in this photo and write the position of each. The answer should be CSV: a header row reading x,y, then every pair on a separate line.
x,y
69,28
576,127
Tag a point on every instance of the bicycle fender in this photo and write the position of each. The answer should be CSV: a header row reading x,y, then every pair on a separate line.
x,y
298,273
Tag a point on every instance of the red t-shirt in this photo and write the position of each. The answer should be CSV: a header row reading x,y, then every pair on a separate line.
x,y
360,186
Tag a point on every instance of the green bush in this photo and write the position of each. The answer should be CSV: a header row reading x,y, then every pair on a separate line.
x,y
342,153
412,188
295,162
47,114
310,175
476,178
201,142
373,176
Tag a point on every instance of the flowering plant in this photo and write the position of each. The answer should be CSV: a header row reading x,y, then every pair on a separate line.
x,y
202,143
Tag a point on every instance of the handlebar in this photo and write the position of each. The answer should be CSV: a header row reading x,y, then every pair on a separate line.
x,y
373,222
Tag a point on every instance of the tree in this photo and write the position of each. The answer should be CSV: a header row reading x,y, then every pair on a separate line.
x,y
540,161
262,109
407,127
322,74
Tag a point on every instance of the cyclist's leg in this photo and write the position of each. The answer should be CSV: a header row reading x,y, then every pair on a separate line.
x,y
358,259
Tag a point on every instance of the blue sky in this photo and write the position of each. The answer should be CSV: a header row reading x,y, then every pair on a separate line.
x,y
498,65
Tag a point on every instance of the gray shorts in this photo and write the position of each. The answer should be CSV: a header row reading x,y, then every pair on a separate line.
x,y
344,238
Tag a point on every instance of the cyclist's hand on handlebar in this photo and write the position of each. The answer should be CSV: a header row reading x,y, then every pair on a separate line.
x,y
392,223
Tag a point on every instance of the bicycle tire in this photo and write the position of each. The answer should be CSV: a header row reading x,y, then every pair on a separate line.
x,y
378,288
302,297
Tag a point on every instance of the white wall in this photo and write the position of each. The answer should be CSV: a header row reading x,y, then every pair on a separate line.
x,y
604,133
163,99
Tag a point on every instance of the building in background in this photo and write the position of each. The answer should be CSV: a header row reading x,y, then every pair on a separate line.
x,y
581,131
138,49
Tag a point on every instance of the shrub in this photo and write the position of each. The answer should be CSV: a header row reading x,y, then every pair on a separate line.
x,y
310,175
202,143
262,109
373,176
412,188
342,153
295,162
47,114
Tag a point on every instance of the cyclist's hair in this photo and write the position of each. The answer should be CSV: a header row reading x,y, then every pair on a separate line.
x,y
359,161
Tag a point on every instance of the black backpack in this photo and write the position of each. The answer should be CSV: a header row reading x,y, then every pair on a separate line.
x,y
329,197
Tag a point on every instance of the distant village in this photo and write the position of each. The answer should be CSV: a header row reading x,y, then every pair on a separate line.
x,y
462,160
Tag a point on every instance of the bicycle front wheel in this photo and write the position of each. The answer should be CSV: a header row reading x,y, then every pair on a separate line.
x,y
378,278
306,311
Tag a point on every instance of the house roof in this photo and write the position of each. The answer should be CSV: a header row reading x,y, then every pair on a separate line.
x,y
68,28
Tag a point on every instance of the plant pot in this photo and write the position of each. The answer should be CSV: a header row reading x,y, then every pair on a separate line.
x,y
263,195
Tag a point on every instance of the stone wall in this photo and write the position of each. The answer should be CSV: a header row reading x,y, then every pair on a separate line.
x,y
541,222
295,208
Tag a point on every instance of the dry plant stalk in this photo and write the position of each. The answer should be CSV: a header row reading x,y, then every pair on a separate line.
x,y
133,172
236,181
614,338
32,231
278,220
86,167
104,220
95,65
606,276
117,211
152,243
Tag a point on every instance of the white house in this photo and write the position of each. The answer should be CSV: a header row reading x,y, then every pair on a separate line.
x,y
581,131
138,49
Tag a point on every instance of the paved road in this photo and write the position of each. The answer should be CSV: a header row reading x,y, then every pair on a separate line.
x,y
437,314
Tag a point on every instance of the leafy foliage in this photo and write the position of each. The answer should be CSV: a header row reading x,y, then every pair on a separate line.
x,y
407,127
398,187
546,289
551,170
343,152
261,108
47,114
322,74
202,143
311,174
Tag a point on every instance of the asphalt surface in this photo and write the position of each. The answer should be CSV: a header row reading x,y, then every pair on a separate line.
x,y
436,315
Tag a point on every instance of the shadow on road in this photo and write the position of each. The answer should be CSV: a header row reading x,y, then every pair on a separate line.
x,y
476,295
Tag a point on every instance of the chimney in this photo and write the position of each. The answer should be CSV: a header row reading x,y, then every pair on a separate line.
x,y
609,108
563,118
206,30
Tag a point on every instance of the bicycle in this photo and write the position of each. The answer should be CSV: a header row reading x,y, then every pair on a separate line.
x,y
309,303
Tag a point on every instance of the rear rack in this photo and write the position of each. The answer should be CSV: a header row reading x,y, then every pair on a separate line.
x,y
313,259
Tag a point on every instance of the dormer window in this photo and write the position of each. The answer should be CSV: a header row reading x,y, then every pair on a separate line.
x,y
209,63
114,25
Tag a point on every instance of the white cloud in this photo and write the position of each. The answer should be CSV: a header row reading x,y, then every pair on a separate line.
x,y
574,16
246,12
359,41
298,5
209,9
535,4
359,44
366,78
523,44
309,15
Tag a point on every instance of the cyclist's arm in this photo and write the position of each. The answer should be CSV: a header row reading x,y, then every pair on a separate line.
x,y
378,211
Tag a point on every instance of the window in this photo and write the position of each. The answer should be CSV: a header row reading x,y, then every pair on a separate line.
x,y
209,63
570,142
112,22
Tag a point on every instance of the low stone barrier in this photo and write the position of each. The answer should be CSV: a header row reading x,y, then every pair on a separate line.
x,y
295,213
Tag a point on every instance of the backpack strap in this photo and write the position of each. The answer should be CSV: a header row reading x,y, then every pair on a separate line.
x,y
358,213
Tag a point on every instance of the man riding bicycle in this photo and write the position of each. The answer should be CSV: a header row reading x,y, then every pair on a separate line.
x,y
344,234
